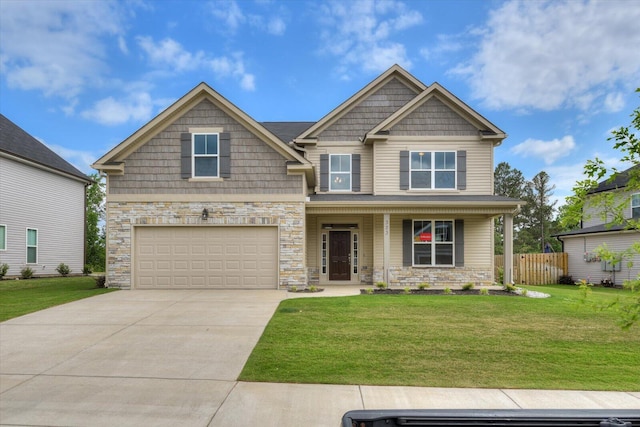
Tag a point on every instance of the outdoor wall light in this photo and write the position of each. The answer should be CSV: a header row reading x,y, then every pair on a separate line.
x,y
205,214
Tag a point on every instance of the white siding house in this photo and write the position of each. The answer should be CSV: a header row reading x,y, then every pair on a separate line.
x,y
42,206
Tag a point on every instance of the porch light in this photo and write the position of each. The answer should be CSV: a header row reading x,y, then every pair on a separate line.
x,y
205,214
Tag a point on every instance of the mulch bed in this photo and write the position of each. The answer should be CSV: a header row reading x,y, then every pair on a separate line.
x,y
306,291
437,292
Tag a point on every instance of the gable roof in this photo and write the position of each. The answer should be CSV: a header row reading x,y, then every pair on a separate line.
x,y
395,71
486,129
618,180
18,143
287,131
113,160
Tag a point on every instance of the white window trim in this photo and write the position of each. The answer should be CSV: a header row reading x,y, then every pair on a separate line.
x,y
37,246
194,155
341,172
3,245
637,206
433,243
433,170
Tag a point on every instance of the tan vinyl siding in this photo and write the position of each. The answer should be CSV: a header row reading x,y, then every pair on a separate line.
x,y
369,113
580,269
434,118
386,163
595,214
255,167
50,203
313,241
366,160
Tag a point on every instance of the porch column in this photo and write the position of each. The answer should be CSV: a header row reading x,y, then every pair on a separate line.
x,y
386,247
508,249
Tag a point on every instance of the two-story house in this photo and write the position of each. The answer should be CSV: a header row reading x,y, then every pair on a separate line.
x,y
394,185
600,226
42,206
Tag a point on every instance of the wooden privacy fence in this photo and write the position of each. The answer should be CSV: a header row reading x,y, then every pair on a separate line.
x,y
536,269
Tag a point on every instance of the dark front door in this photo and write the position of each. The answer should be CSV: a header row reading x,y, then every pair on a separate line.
x,y
339,255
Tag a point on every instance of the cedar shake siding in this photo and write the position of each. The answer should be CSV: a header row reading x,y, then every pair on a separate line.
x,y
370,112
434,118
255,167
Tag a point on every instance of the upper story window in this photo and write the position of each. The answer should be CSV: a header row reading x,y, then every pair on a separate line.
x,y
433,169
206,159
340,172
635,206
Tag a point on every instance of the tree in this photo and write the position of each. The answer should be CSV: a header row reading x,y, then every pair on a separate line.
x,y
95,234
508,182
595,170
541,209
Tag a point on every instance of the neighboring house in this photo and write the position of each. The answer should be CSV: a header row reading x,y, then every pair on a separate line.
x,y
394,185
42,206
600,227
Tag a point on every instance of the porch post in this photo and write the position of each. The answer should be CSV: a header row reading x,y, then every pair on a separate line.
x,y
386,248
508,249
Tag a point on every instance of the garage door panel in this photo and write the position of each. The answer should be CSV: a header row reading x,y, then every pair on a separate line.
x,y
206,257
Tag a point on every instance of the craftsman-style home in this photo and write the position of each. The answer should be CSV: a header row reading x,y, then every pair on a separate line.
x,y
394,185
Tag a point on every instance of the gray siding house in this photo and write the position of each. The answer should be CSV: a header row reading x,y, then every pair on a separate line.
x,y
395,185
42,205
597,229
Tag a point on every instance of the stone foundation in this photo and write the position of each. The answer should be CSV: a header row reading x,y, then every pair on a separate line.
x,y
123,217
458,276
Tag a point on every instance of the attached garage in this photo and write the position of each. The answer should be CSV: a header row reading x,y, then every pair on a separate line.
x,y
206,257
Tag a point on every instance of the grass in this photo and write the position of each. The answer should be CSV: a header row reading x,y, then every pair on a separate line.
x,y
449,341
20,297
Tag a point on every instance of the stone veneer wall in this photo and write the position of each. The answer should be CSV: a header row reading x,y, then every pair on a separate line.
x,y
458,276
289,217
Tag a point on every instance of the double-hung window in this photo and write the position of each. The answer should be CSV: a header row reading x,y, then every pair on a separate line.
x,y
433,170
32,246
3,237
206,159
433,243
635,206
340,172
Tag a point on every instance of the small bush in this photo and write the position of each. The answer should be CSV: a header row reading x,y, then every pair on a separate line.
x,y
101,281
313,288
566,280
407,290
468,286
369,291
63,269
500,274
26,273
3,270
424,285
509,288
447,291
381,285
484,291
524,292
293,288
86,270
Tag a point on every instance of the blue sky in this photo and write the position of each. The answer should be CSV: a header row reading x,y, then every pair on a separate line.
x,y
557,76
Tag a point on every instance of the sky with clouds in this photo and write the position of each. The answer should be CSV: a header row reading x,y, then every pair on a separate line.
x,y
556,76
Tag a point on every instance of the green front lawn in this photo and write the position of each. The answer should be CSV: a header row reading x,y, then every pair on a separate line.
x,y
19,297
450,341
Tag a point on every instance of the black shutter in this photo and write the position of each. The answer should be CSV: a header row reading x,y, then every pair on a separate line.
x,y
404,170
355,172
225,155
407,242
462,170
324,172
459,243
185,155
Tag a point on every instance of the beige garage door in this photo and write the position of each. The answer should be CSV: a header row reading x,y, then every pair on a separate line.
x,y
206,257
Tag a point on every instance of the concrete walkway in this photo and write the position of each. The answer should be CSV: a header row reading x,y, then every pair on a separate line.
x,y
169,358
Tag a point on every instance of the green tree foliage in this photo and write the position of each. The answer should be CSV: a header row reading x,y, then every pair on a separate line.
x,y
95,234
612,208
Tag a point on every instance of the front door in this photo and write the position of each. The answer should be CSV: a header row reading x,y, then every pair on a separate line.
x,y
339,255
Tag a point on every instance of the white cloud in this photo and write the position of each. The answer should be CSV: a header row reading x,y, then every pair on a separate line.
x,y
80,159
229,13
361,33
170,53
108,111
548,151
56,47
276,26
232,18
549,55
614,102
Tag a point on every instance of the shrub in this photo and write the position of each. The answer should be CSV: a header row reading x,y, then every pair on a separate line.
x,y
3,270
369,291
468,286
500,274
293,288
63,269
484,291
447,291
313,288
26,273
381,285
407,290
86,270
509,288
424,285
524,292
101,281
566,280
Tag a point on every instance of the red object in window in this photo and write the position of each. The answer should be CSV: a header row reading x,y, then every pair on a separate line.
x,y
425,237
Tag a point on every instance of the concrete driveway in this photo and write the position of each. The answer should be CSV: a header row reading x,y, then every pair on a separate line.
x,y
171,358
